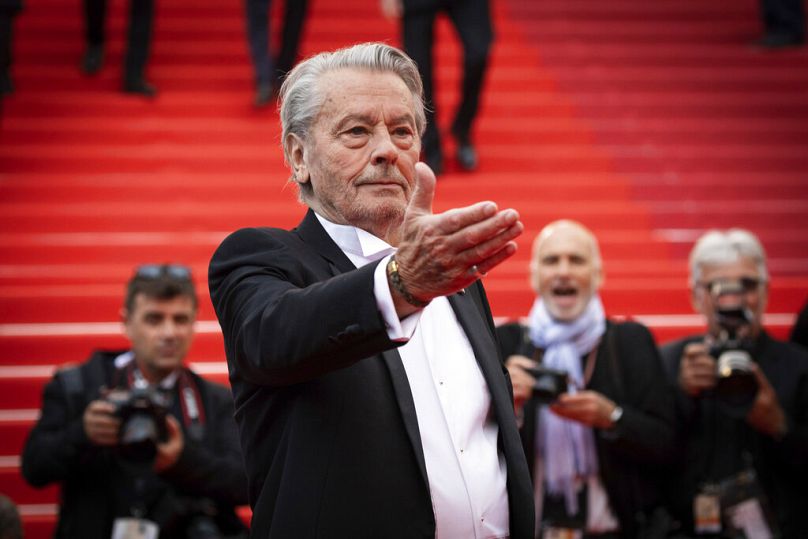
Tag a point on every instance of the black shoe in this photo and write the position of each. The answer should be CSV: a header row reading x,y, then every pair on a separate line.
x,y
139,86
263,95
467,156
92,60
778,41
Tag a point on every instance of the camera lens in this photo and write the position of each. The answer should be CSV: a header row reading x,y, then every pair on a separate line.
x,y
736,384
139,437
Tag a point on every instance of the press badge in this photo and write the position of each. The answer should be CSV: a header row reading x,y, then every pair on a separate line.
x,y
134,528
748,516
707,512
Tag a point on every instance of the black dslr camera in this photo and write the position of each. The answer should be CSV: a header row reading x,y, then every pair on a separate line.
x,y
549,385
143,421
735,382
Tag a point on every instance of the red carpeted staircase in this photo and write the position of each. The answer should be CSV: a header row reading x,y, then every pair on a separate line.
x,y
648,121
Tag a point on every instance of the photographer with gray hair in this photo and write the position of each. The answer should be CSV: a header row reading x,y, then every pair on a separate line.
x,y
369,394
742,404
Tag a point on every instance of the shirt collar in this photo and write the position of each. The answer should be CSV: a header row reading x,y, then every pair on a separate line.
x,y
126,358
356,241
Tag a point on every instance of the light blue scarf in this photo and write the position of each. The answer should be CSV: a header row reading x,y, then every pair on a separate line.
x,y
567,448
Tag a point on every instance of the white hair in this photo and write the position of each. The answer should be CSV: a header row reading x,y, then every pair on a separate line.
x,y
726,247
301,98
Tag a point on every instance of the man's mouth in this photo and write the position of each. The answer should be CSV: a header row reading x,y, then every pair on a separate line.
x,y
565,291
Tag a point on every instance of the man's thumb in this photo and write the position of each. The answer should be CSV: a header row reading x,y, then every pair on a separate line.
x,y
424,192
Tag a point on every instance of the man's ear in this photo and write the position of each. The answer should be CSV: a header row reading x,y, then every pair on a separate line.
x,y
124,314
297,156
598,278
697,297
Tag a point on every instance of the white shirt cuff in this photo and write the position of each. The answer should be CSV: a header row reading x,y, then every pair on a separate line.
x,y
397,330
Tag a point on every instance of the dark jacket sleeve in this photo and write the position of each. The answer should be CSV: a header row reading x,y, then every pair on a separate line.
x,y
799,333
285,319
645,433
213,467
57,445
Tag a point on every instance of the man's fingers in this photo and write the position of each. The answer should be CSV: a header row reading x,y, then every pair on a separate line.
x,y
507,251
424,192
479,252
475,233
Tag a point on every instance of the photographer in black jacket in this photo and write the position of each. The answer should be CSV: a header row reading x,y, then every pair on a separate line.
x,y
742,403
135,438
596,440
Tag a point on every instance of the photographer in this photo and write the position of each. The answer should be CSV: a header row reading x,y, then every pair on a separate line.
x,y
742,402
592,397
136,439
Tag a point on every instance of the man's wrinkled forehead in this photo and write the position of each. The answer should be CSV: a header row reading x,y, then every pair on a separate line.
x,y
337,100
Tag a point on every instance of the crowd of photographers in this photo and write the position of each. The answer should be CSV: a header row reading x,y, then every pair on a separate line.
x,y
708,438
704,437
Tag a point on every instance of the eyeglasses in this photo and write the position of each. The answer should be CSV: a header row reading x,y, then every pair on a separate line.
x,y
155,271
721,287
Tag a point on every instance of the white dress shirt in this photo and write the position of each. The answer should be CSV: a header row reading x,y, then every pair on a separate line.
x,y
467,475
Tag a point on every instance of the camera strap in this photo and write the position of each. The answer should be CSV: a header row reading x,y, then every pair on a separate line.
x,y
193,413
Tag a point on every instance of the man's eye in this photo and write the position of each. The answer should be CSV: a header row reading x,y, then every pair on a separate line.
x,y
402,132
357,131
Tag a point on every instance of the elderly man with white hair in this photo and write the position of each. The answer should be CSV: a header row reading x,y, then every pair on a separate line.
x,y
596,440
742,403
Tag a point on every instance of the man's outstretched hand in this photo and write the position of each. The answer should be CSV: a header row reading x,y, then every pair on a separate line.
x,y
441,254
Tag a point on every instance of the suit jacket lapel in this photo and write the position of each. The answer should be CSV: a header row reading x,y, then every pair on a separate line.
x,y
485,349
313,233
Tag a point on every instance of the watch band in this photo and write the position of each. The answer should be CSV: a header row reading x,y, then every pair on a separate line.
x,y
395,281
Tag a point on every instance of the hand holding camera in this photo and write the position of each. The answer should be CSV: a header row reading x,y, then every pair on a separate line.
x,y
100,424
697,371
766,414
168,452
521,379
587,407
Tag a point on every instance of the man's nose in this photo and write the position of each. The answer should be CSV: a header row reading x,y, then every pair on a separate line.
x,y
563,267
384,151
169,329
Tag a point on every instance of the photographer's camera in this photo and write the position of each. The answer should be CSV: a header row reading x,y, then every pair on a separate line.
x,y
736,384
549,385
143,421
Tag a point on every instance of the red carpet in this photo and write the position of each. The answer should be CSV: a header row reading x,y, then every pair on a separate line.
x,y
648,121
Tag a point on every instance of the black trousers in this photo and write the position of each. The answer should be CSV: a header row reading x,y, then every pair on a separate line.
x,y
141,15
6,18
267,68
472,19
786,17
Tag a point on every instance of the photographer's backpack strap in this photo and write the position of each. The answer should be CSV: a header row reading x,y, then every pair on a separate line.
x,y
73,386
81,382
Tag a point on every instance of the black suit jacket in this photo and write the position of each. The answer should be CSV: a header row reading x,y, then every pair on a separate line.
x,y
326,415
